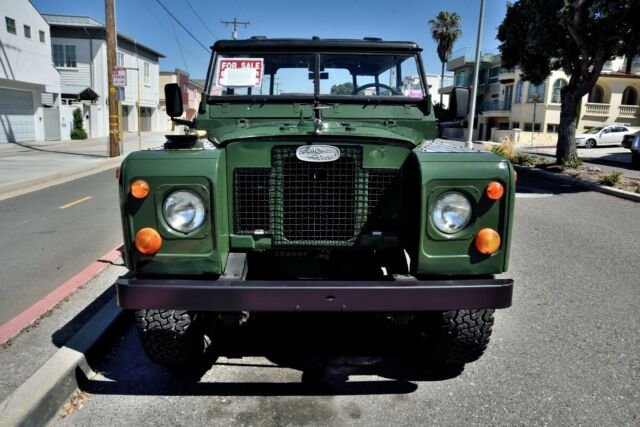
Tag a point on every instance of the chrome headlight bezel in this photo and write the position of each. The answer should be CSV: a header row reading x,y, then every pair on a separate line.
x,y
451,212
184,210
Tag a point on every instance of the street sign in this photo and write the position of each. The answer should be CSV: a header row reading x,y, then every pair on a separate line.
x,y
119,75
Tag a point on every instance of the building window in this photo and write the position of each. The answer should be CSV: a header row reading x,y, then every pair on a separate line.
x,y
536,93
461,78
493,74
552,128
145,75
515,125
519,90
120,59
528,126
27,31
11,25
556,90
596,95
64,56
629,96
42,36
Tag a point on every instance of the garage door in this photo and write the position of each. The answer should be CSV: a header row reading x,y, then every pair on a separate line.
x,y
16,116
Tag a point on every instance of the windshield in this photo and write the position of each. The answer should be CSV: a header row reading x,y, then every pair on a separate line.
x,y
593,130
337,74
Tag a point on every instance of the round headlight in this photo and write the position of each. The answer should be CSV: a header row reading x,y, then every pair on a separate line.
x,y
184,210
451,212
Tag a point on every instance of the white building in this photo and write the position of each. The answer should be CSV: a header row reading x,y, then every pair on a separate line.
x,y
29,84
79,51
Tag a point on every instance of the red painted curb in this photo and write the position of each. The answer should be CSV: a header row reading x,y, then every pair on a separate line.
x,y
27,317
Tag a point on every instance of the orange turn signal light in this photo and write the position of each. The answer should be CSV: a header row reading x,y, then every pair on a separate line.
x,y
495,190
487,241
139,189
148,241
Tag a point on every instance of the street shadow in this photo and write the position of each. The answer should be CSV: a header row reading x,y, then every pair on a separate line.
x,y
327,350
64,334
71,153
618,160
529,184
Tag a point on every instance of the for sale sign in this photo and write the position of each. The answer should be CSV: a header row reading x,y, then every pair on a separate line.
x,y
119,76
240,72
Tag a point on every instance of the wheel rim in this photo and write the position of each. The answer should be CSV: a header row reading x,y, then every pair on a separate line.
x,y
589,144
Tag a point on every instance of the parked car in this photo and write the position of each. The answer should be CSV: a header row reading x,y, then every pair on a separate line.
x,y
634,145
311,202
628,139
604,135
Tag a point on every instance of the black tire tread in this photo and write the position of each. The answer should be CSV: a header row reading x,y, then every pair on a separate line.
x,y
462,336
171,338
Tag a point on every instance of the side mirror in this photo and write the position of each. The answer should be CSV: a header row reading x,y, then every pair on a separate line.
x,y
173,100
459,102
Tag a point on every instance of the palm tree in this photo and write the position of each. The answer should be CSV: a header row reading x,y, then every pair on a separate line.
x,y
445,30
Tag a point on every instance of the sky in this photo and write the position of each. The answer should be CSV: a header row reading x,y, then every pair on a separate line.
x,y
146,21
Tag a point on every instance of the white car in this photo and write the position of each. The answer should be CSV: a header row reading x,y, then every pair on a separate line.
x,y
605,135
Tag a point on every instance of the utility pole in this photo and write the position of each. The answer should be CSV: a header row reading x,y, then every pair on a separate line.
x,y
235,22
114,149
476,72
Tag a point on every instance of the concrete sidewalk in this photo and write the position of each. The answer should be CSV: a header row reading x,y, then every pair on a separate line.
x,y
35,164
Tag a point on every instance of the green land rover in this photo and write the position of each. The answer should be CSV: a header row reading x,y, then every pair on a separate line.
x,y
311,180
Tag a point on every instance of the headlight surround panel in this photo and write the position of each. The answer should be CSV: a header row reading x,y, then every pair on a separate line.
x,y
165,190
474,195
184,211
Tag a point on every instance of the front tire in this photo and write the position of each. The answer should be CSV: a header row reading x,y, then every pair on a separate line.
x,y
174,339
590,143
460,336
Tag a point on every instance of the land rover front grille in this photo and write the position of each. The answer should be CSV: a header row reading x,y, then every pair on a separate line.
x,y
304,203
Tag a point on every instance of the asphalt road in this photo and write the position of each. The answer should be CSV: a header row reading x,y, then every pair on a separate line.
x,y
48,236
566,353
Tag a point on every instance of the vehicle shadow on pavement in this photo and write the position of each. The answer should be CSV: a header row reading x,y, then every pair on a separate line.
x,y
327,358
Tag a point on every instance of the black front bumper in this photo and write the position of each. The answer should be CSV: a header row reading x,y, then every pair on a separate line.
x,y
313,295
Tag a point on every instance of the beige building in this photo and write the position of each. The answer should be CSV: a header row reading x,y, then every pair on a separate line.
x,y
512,108
191,94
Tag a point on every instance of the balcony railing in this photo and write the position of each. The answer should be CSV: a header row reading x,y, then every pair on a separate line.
x,y
629,111
595,109
495,105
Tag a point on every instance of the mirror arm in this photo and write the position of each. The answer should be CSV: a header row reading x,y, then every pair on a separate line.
x,y
190,123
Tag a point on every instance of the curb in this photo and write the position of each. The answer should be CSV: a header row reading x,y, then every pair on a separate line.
x,y
37,401
14,326
570,180
43,181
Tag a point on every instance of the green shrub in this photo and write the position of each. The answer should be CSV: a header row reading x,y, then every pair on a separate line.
x,y
573,164
78,131
638,189
611,179
78,134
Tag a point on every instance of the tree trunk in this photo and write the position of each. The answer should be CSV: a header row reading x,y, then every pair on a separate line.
x,y
566,148
441,83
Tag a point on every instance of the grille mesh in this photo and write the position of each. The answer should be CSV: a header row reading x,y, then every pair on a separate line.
x,y
319,201
251,200
303,203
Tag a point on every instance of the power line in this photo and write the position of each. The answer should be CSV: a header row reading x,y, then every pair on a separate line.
x,y
175,37
183,27
214,35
